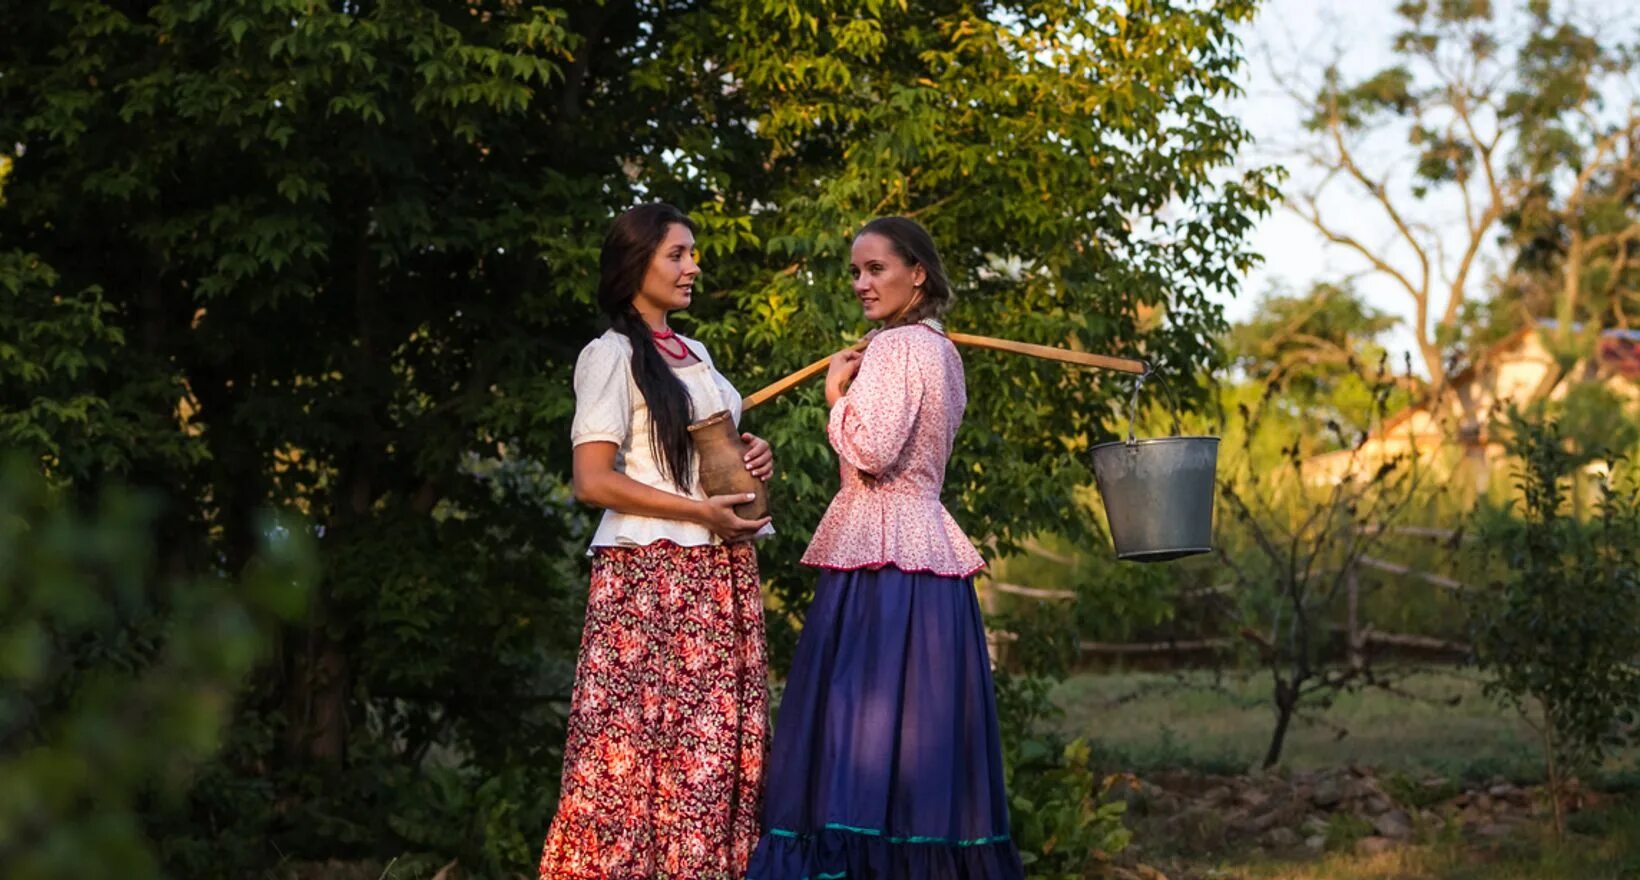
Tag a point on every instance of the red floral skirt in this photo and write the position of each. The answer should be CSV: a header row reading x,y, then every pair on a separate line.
x,y
663,768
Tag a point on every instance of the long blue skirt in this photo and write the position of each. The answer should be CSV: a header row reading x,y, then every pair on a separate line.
x,y
886,762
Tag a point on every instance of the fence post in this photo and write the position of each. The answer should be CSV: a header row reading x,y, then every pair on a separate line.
x,y
988,610
1352,625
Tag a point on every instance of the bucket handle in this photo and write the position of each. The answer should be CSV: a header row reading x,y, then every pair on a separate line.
x,y
1133,402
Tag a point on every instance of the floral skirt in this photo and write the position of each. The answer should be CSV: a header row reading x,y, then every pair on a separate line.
x,y
663,768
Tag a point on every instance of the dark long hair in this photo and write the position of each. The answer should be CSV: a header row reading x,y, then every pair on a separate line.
x,y
628,249
915,246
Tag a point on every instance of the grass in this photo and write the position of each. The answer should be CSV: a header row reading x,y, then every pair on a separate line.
x,y
1187,720
1155,721
1607,849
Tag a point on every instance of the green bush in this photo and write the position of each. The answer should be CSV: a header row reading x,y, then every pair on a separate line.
x,y
1063,818
1557,625
117,679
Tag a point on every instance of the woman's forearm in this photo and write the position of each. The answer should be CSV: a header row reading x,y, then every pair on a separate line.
x,y
616,491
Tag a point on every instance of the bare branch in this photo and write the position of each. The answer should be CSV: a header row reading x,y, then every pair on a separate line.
x,y
1485,148
1313,217
1379,193
1259,535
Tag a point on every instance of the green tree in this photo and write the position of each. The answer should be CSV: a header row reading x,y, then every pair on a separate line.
x,y
339,257
1049,187
117,679
1318,350
1575,226
1556,626
1294,525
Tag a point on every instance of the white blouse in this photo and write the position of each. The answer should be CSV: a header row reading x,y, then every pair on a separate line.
x,y
610,408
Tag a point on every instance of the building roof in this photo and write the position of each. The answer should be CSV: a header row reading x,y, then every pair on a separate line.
x,y
1619,352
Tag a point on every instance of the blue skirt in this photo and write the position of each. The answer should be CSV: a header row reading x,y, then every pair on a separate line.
x,y
886,762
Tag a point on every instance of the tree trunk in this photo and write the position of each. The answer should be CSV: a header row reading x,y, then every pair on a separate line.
x,y
1552,764
317,695
1286,704
319,672
1352,632
1570,288
1480,470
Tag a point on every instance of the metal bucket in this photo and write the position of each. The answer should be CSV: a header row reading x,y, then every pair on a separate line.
x,y
1158,495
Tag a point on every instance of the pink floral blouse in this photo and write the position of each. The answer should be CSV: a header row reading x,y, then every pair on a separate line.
x,y
893,432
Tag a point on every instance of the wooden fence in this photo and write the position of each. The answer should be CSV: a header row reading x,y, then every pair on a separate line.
x,y
1358,638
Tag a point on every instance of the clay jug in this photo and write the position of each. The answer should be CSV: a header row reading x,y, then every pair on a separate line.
x,y
722,458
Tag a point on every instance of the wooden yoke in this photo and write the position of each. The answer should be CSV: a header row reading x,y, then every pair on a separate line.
x,y
1045,352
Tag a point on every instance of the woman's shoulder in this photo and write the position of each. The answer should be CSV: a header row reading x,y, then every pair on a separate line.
x,y
911,338
606,347
610,352
608,341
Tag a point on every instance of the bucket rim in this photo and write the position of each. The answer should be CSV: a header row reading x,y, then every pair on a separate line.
x,y
1152,441
1171,553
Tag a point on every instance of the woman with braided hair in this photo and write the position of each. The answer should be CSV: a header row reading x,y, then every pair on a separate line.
x,y
663,768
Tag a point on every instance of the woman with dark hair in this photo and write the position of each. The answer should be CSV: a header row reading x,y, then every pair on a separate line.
x,y
887,760
664,762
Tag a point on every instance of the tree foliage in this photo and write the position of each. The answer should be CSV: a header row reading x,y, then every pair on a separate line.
x,y
1104,236
1320,351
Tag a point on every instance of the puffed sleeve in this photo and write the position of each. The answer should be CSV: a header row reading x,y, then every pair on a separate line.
x,y
870,425
603,394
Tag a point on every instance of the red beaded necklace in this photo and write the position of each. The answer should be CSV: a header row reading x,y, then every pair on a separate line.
x,y
682,354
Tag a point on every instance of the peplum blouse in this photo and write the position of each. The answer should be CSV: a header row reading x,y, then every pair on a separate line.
x,y
893,432
610,408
